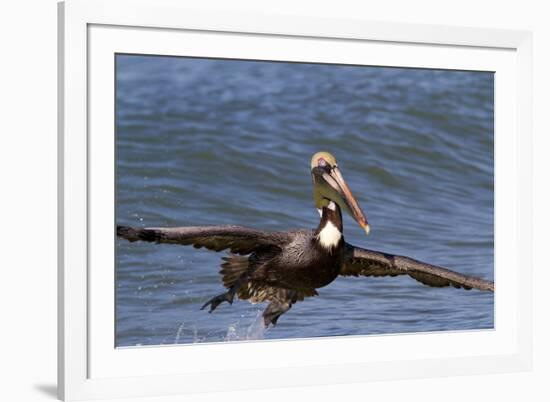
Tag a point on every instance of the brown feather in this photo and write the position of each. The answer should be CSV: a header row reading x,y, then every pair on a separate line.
x,y
238,239
235,266
362,262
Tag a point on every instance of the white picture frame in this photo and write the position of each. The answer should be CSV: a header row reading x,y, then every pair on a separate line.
x,y
90,32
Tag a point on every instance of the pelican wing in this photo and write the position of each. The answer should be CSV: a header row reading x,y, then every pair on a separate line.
x,y
237,239
359,261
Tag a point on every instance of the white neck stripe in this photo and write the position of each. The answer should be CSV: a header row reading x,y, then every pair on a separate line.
x,y
329,236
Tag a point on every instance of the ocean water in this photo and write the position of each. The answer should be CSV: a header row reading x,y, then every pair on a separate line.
x,y
203,142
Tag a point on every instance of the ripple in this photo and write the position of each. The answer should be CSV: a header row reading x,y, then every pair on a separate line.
x,y
212,142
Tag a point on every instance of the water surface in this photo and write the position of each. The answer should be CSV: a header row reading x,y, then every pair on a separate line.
x,y
229,142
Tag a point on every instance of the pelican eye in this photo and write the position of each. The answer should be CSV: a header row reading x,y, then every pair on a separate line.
x,y
322,162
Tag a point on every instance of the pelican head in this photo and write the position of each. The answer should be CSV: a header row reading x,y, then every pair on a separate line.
x,y
329,185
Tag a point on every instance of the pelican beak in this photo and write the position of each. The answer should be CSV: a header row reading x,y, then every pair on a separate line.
x,y
331,185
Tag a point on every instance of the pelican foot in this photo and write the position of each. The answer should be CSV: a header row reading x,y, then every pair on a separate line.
x,y
216,301
273,311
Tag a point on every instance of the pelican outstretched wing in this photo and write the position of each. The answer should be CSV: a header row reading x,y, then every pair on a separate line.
x,y
237,239
362,262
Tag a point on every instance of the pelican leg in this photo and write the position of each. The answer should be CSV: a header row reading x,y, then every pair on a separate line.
x,y
219,299
274,310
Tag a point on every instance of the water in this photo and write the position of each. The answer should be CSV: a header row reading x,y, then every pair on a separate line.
x,y
229,142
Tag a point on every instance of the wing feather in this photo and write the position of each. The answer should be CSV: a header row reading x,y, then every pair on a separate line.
x,y
362,262
257,292
237,239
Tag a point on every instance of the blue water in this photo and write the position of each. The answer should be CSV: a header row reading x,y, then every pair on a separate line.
x,y
229,142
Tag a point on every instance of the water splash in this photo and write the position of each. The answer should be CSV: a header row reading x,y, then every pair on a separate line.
x,y
192,331
178,334
241,331
257,329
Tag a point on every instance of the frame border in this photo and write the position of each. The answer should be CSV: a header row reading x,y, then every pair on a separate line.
x,y
74,16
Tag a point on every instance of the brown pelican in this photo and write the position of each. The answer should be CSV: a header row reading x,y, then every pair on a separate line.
x,y
285,267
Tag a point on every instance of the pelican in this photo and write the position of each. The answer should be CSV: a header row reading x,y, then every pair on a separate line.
x,y
283,268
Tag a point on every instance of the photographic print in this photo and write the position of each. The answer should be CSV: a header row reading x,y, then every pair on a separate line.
x,y
260,200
